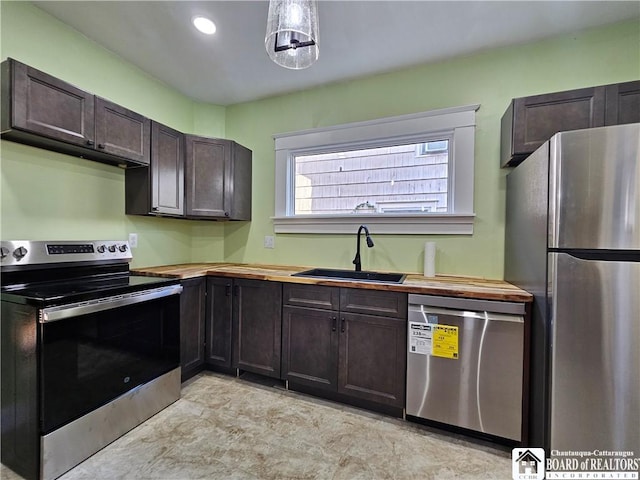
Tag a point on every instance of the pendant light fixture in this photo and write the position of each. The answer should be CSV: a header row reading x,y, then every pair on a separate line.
x,y
292,33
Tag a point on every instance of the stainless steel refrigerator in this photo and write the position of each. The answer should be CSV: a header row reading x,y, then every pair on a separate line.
x,y
573,240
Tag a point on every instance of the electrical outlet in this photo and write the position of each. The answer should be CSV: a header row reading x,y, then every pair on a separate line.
x,y
133,240
269,241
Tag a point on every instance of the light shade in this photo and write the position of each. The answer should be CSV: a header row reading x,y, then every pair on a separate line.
x,y
292,33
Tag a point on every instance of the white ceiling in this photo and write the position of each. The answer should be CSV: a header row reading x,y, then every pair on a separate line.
x,y
356,38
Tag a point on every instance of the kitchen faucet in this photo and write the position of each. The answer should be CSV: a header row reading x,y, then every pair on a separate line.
x,y
356,261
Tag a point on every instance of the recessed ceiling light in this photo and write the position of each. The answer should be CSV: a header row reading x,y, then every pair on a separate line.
x,y
204,25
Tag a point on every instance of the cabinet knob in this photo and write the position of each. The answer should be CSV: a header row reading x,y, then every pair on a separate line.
x,y
90,143
226,214
101,146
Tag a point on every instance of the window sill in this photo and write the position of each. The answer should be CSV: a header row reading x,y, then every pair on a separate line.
x,y
418,224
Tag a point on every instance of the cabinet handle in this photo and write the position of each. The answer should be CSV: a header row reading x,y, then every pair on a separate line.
x,y
334,324
90,143
342,324
101,146
227,290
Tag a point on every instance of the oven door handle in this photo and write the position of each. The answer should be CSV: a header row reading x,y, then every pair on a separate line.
x,y
52,314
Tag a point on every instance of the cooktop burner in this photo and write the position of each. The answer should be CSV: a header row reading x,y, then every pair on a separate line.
x,y
54,273
51,293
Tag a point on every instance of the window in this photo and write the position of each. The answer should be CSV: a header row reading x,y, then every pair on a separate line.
x,y
401,178
408,174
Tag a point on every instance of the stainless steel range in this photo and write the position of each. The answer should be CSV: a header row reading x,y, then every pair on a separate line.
x,y
89,351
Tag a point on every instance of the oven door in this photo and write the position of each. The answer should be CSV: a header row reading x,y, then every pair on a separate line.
x,y
93,352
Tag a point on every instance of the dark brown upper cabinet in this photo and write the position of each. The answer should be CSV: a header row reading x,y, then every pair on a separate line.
x,y
167,170
622,103
122,132
41,110
159,188
530,121
191,177
218,179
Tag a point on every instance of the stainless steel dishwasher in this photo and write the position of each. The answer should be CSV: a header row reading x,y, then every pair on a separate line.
x,y
465,363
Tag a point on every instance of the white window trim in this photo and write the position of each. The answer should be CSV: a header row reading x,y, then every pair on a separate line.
x,y
459,120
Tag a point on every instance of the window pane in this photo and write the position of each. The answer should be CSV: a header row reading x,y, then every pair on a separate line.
x,y
410,178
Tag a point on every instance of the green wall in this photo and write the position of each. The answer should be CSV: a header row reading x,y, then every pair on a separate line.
x,y
492,78
46,195
49,195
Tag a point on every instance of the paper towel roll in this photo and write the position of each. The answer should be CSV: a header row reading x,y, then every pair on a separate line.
x,y
430,259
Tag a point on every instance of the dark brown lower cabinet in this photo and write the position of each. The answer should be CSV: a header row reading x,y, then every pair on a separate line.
x,y
257,326
192,326
310,345
219,319
372,358
244,325
357,355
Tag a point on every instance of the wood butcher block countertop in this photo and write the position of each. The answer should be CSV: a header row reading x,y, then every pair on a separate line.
x,y
445,285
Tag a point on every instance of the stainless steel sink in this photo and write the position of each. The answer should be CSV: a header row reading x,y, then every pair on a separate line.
x,y
352,275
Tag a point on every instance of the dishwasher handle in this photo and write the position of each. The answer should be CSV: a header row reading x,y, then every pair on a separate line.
x,y
421,313
470,304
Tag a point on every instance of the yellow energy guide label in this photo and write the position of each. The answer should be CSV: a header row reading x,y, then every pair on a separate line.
x,y
445,341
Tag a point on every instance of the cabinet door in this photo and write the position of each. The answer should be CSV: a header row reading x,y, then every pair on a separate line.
x,y
192,326
257,325
167,170
622,103
122,132
45,105
207,166
310,347
219,319
372,358
238,192
531,121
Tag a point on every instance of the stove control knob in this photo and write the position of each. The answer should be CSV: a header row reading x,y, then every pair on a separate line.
x,y
112,248
101,249
122,248
19,252
4,252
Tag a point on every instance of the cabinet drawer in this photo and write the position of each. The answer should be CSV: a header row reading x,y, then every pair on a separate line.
x,y
312,296
374,302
